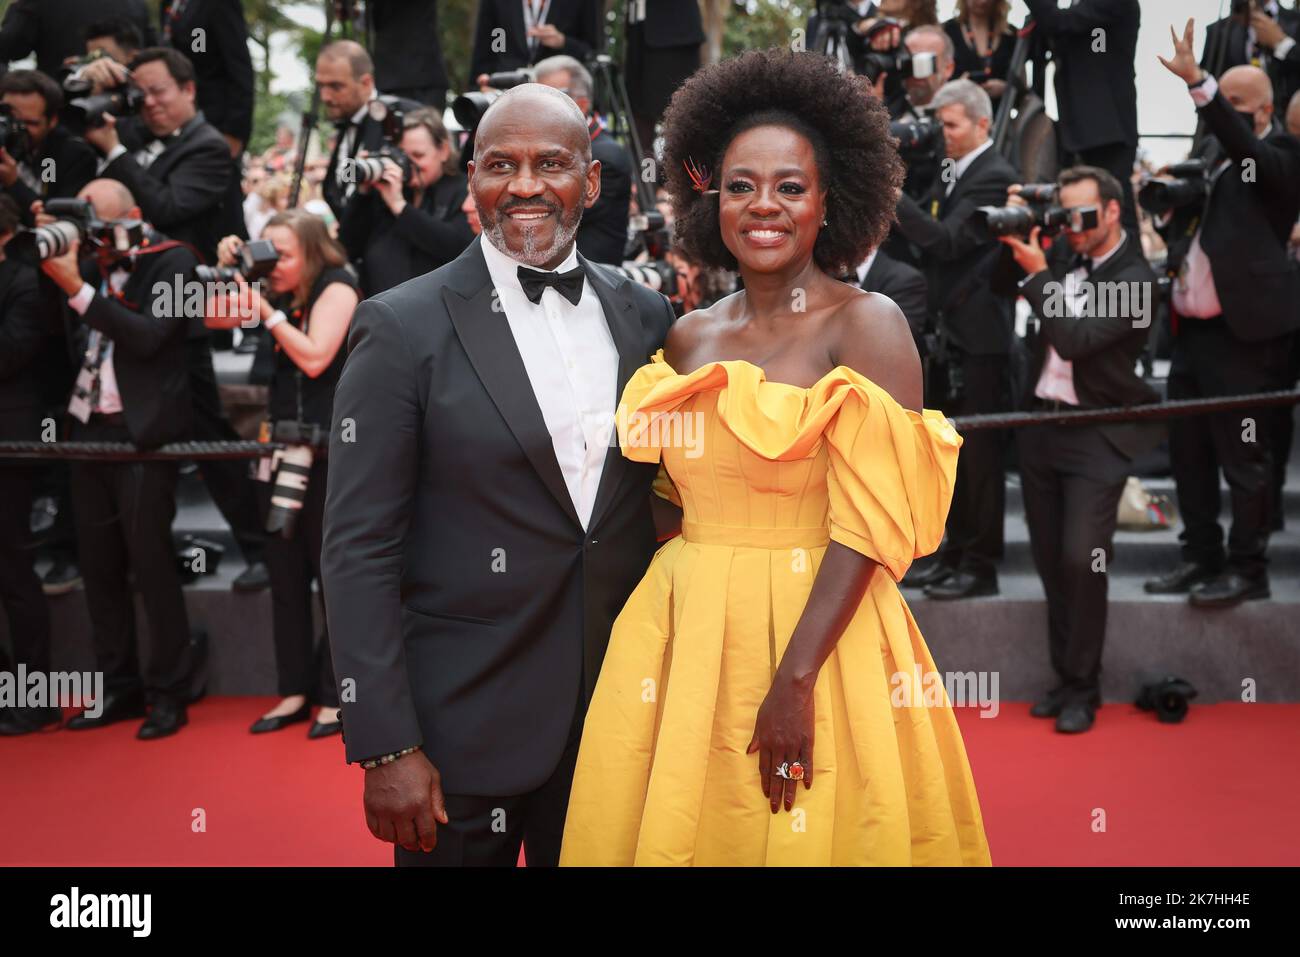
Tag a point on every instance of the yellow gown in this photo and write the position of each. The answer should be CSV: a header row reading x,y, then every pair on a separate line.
x,y
766,473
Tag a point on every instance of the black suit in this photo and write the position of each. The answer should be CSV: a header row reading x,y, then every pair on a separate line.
x,y
662,50
905,285
72,159
56,29
223,69
408,51
1225,47
578,20
22,332
975,326
1096,87
125,509
369,137
182,192
487,665
1243,231
1072,476
602,234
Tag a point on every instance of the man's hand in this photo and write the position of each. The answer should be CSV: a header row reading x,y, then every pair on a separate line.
x,y
403,801
994,88
548,36
105,73
1267,32
63,270
236,146
1183,65
8,169
39,216
1029,255
104,138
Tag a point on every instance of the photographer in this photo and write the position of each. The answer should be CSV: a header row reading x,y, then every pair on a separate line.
x,y
602,234
119,39
1083,356
1096,89
345,74
551,27
1257,33
315,298
397,230
1236,305
133,387
983,41
22,330
975,330
52,163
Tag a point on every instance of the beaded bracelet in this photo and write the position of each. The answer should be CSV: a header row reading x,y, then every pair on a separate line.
x,y
388,758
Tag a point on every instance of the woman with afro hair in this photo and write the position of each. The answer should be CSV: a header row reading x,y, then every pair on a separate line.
x,y
766,697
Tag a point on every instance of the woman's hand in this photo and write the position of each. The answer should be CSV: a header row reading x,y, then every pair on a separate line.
x,y
994,88
783,732
228,250
389,187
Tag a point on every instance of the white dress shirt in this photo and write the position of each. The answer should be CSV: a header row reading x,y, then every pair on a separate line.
x,y
110,398
864,267
963,164
1057,378
572,365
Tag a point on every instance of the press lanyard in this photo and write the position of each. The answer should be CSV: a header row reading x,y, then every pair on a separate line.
x,y
533,18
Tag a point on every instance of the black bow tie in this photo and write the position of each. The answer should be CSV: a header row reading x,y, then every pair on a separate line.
x,y
567,284
1082,262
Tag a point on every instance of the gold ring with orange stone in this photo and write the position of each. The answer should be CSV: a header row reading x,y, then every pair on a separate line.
x,y
790,770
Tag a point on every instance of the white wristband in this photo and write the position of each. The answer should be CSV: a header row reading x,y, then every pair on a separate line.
x,y
275,319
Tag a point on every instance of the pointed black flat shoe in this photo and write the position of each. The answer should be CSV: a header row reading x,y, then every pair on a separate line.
x,y
263,725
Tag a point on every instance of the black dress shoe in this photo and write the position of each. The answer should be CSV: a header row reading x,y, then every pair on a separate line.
x,y
962,585
255,577
1050,705
1180,580
116,707
927,576
165,719
62,578
16,721
321,729
1228,589
1075,716
263,725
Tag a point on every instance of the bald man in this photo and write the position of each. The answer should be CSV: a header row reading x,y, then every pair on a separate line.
x,y
1236,303
482,529
133,386
345,75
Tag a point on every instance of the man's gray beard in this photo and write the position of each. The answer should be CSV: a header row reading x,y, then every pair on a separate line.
x,y
533,254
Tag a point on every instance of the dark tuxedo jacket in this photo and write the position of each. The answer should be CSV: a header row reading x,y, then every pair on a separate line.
x,y
465,602
578,20
602,234
673,23
958,257
149,350
408,52
1246,225
183,192
902,283
56,29
75,162
370,139
1225,47
223,70
22,335
1096,91
1103,350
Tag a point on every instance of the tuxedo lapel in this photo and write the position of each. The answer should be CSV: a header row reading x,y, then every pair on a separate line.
x,y
624,327
487,339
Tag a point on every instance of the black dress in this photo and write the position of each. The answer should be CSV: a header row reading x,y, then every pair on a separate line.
x,y
967,58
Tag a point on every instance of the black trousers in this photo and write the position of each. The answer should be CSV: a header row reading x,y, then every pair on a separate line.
x,y
304,666
974,540
1208,360
488,831
1072,479
124,539
227,480
21,598
1117,159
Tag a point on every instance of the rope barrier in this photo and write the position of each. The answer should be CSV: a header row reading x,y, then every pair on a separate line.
x,y
194,451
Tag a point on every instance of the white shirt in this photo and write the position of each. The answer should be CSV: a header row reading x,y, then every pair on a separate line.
x,y
864,267
348,147
963,164
110,399
1057,378
572,365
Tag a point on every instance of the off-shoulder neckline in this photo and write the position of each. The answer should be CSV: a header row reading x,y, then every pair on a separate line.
x,y
658,358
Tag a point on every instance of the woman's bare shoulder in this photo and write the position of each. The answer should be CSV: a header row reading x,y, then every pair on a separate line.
x,y
875,340
695,328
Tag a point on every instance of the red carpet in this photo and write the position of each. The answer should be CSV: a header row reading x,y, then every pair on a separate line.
x,y
1219,789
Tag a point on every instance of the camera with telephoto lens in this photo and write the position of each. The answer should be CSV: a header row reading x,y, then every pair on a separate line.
x,y
1021,220
15,138
1183,184
899,62
255,260
72,76
1168,696
89,112
74,219
370,169
916,136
